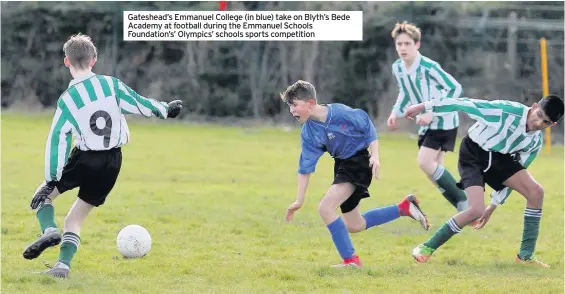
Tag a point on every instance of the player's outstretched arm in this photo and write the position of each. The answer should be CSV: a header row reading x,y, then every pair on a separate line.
x,y
309,157
479,110
484,111
303,180
132,103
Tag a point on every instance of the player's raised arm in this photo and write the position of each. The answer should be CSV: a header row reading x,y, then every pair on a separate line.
x,y
58,143
447,82
132,103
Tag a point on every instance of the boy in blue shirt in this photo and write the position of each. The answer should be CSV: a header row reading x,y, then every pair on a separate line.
x,y
345,133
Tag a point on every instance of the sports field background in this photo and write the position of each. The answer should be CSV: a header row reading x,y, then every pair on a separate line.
x,y
213,199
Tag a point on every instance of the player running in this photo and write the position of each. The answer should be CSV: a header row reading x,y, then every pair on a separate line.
x,y
345,133
421,79
497,151
91,110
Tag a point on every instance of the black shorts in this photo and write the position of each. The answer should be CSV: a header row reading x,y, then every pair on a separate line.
x,y
94,172
474,160
438,139
354,170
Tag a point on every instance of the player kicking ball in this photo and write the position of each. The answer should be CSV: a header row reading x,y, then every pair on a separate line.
x,y
345,133
497,151
91,110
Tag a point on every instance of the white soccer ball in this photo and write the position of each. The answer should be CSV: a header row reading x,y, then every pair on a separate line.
x,y
134,241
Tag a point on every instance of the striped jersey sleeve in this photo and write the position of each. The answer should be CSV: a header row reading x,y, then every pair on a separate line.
x,y
447,83
403,98
132,103
500,124
59,142
484,111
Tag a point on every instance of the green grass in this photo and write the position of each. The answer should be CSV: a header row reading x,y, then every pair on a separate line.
x,y
214,199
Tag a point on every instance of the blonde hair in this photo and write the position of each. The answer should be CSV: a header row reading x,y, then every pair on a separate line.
x,y
407,28
301,90
80,50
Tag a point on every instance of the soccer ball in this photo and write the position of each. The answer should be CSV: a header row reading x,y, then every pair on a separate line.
x,y
134,241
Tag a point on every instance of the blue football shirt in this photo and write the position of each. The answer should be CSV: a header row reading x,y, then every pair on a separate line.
x,y
345,132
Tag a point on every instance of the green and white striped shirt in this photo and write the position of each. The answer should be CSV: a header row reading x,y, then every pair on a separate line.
x,y
500,127
423,81
91,110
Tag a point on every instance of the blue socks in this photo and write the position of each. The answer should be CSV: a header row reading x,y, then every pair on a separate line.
x,y
374,217
381,215
341,238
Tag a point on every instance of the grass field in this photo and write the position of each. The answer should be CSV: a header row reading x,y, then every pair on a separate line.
x,y
214,199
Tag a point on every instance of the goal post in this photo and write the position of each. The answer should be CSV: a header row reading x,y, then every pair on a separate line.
x,y
545,88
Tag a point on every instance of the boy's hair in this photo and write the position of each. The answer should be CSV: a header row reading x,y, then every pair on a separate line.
x,y
301,90
407,28
80,50
552,105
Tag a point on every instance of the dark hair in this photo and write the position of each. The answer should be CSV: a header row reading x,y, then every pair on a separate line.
x,y
301,90
552,105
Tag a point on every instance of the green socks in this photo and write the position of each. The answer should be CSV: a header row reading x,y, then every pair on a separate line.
x,y
444,233
46,215
448,187
532,217
69,246
71,241
446,195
